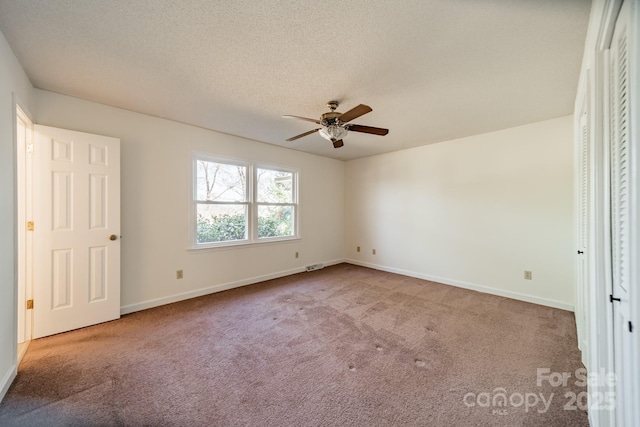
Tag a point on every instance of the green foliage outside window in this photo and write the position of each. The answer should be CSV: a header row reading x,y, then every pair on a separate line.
x,y
221,228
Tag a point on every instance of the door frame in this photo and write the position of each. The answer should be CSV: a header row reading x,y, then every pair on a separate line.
x,y
601,309
23,242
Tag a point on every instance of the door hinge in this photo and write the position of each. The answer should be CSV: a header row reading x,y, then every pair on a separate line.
x,y
30,226
29,304
612,299
30,148
630,326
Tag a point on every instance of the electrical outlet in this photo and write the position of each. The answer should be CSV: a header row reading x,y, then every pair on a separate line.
x,y
297,255
374,251
357,248
179,274
527,275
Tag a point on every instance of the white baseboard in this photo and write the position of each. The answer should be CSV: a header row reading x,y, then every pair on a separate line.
x,y
126,309
467,285
6,381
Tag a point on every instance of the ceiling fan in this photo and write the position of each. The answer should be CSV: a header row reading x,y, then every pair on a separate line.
x,y
335,125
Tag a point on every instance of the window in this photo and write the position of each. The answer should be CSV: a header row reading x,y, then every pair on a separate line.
x,y
275,202
238,202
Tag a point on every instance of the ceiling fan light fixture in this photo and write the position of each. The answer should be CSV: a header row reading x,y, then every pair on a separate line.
x,y
333,132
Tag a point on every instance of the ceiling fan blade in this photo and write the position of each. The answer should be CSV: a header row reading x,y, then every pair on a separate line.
x,y
301,118
368,129
303,134
354,113
338,143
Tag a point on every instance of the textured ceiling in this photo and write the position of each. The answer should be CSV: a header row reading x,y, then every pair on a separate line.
x,y
432,70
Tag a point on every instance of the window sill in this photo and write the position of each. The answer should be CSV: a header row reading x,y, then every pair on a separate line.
x,y
242,245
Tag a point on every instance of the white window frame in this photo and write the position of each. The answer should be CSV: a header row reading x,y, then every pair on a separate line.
x,y
251,202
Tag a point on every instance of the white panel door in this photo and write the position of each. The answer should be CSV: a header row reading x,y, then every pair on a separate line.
x,y
77,230
623,218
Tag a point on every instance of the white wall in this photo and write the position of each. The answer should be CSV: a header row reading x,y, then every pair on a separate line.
x,y
13,82
474,212
156,161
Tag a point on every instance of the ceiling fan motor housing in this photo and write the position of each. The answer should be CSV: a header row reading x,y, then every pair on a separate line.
x,y
331,118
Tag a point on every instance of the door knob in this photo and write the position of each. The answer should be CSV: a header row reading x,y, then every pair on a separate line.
x,y
113,237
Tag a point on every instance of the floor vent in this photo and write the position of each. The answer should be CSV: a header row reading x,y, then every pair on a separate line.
x,y
314,267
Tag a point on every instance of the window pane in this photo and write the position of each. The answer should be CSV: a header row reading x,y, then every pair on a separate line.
x,y
275,186
221,223
221,182
275,221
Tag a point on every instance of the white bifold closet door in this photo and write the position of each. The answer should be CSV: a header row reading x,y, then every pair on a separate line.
x,y
624,216
583,286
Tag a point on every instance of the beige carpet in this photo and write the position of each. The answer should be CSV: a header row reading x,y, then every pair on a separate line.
x,y
341,346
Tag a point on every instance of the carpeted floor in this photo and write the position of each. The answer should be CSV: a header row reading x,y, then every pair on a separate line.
x,y
341,346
